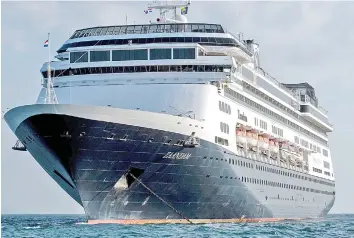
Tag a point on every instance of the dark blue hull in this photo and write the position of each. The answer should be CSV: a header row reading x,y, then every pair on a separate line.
x,y
206,182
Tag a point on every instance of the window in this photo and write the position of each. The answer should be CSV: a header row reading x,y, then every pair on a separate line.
x,y
325,152
263,124
221,141
256,121
296,140
201,40
327,173
78,57
157,54
123,55
224,127
125,69
238,97
184,53
304,143
277,131
224,107
102,55
326,165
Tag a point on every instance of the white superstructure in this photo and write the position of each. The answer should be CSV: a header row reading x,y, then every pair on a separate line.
x,y
196,70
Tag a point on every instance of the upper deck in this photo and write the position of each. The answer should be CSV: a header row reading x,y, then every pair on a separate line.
x,y
148,29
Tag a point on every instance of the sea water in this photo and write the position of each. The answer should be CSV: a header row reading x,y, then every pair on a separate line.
x,y
73,226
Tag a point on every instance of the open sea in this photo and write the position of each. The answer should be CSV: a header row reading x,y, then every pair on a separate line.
x,y
75,226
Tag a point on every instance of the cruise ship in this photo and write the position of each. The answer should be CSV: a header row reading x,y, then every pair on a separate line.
x,y
176,122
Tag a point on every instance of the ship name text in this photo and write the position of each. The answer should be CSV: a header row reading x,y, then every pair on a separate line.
x,y
176,155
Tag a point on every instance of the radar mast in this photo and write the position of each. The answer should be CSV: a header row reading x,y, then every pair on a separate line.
x,y
170,6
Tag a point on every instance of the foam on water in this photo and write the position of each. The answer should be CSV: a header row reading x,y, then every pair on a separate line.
x,y
75,226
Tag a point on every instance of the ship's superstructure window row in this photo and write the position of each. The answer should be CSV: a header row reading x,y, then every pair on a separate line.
x,y
238,97
139,69
288,110
262,124
281,172
125,55
147,29
221,141
158,54
184,53
79,57
136,54
100,55
224,128
224,107
277,131
217,41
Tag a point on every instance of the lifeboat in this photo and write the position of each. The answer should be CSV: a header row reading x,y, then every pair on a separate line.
x,y
241,136
249,136
284,152
263,142
273,146
254,140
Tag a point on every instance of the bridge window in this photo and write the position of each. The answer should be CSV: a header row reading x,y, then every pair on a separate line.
x,y
184,53
157,54
102,55
123,55
78,57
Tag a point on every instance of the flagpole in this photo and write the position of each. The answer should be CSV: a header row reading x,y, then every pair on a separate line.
x,y
49,96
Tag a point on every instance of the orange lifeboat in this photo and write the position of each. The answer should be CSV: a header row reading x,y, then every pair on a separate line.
x,y
241,136
273,146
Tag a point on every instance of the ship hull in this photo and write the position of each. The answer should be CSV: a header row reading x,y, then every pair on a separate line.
x,y
123,169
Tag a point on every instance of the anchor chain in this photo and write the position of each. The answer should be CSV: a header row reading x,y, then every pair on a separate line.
x,y
166,203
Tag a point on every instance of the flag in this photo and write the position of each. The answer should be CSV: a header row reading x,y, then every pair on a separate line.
x,y
184,10
150,9
46,43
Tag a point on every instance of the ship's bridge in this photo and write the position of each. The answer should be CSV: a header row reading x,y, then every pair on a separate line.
x,y
201,33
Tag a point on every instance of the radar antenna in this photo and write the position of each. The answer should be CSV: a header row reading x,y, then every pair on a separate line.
x,y
170,5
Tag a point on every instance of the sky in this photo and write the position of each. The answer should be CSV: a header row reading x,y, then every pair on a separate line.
x,y
299,42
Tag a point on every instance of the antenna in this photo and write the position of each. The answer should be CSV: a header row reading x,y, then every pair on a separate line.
x,y
166,6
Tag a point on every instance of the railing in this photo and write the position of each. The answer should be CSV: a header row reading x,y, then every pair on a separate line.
x,y
239,41
149,28
315,104
276,82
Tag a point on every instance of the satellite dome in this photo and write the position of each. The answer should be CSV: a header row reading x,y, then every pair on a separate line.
x,y
181,18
